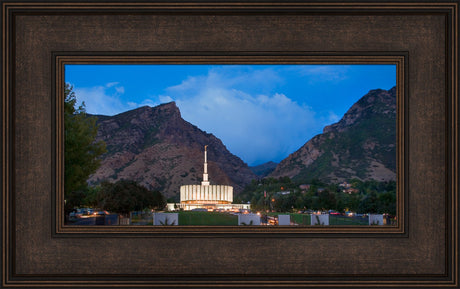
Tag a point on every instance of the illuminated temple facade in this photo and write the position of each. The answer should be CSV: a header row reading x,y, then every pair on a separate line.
x,y
207,196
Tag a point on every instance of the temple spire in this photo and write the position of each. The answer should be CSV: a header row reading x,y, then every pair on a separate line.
x,y
205,181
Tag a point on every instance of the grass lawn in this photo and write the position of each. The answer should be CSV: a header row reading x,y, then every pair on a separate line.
x,y
207,219
305,219
301,219
343,220
141,219
187,218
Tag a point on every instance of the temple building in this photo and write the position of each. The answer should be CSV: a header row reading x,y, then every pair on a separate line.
x,y
206,196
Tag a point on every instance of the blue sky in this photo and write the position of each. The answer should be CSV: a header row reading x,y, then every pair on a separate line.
x,y
260,112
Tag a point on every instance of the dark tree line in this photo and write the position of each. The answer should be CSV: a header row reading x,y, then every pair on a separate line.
x,y
127,196
122,197
283,195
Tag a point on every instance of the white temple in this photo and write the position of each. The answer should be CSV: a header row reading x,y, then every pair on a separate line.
x,y
207,196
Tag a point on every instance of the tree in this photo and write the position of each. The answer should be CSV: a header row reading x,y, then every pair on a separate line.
x,y
352,202
237,200
91,196
307,200
327,200
285,180
126,196
340,202
81,151
257,203
369,204
387,201
155,200
284,203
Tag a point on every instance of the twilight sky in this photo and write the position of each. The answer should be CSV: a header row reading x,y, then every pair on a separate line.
x,y
260,112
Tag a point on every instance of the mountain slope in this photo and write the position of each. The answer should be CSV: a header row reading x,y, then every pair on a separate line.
x,y
158,149
361,145
263,170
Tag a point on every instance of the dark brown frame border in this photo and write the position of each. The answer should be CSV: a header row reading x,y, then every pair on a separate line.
x,y
420,276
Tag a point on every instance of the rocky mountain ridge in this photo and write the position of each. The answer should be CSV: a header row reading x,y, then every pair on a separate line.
x,y
361,145
157,148
263,170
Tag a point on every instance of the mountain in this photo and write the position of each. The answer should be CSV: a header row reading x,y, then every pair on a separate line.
x,y
157,148
263,170
361,145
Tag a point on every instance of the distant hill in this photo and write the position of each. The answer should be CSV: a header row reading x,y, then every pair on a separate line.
x,y
361,145
157,148
263,170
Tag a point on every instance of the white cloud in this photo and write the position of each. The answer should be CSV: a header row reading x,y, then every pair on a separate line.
x,y
165,98
257,128
109,99
120,89
228,77
236,106
332,118
99,101
324,73
110,84
151,101
132,105
148,102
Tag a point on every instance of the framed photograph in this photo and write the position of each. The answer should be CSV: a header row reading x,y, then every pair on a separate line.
x,y
138,159
48,239
222,145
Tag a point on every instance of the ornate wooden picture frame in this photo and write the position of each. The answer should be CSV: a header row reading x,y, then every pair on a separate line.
x,y
39,38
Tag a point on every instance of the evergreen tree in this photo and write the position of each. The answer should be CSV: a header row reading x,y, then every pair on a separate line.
x,y
81,151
